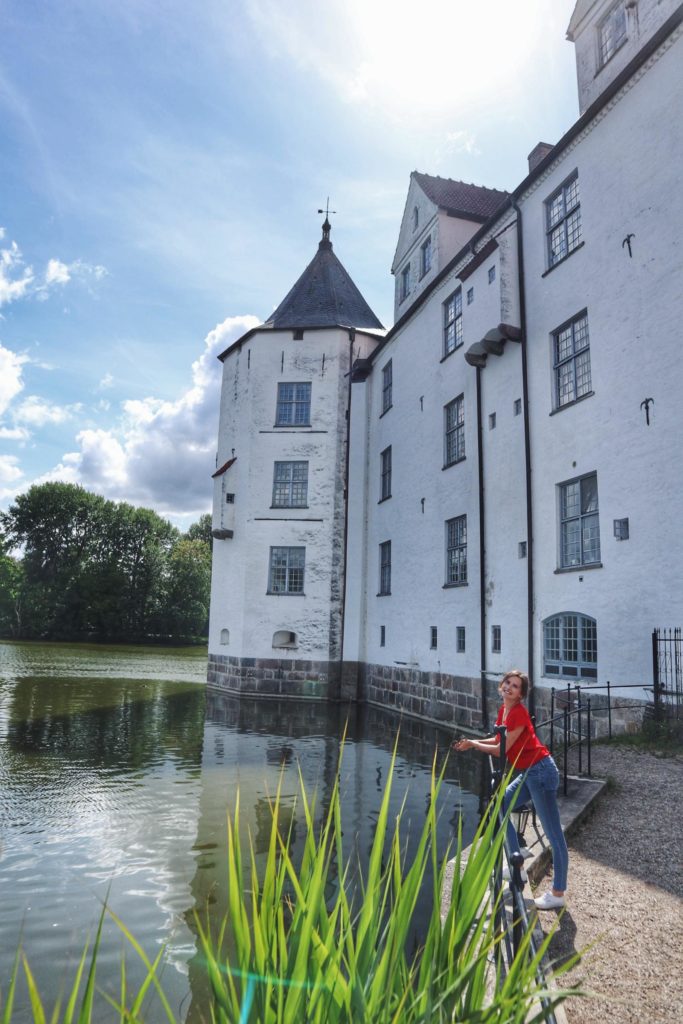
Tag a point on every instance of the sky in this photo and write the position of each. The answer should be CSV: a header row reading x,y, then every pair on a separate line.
x,y
161,168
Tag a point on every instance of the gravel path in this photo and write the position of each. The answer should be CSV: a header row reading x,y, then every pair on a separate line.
x,y
625,895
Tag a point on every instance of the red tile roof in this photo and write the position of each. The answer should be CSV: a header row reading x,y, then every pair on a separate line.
x,y
472,202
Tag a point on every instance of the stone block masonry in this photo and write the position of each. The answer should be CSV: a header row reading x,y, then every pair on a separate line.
x,y
274,677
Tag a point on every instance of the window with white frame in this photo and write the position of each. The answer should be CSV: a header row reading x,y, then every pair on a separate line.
x,y
426,257
293,405
579,522
433,638
454,431
452,322
495,640
456,550
492,274
571,361
612,32
570,646
460,639
290,485
563,220
286,573
385,474
404,283
385,568
387,386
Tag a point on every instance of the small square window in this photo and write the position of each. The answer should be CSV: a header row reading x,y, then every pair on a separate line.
x,y
470,296
230,499
621,529
404,284
495,639
382,636
460,639
521,549
492,275
492,421
426,257
387,386
517,407
433,637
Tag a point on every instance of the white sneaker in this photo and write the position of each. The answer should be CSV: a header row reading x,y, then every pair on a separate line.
x,y
550,902
507,874
526,852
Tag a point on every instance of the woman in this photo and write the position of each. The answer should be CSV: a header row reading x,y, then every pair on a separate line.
x,y
538,779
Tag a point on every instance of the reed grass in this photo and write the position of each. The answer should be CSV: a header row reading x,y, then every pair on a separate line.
x,y
324,941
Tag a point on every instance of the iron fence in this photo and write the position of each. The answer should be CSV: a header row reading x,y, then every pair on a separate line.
x,y
667,671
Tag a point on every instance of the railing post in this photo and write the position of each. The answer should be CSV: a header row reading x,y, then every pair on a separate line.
x,y
516,885
655,671
609,710
552,718
566,747
501,732
588,734
578,727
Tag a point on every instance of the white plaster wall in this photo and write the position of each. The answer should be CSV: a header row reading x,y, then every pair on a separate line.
x,y
643,20
629,165
415,431
240,574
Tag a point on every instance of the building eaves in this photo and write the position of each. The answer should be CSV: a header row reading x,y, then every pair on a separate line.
x,y
461,198
651,47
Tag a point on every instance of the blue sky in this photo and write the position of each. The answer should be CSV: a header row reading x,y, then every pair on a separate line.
x,y
161,167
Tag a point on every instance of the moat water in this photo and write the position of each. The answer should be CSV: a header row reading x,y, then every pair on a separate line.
x,y
118,769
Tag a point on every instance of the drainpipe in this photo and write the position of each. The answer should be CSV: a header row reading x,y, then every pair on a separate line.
x,y
482,557
352,338
527,460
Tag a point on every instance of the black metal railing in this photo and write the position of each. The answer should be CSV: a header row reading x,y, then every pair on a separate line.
x,y
513,920
667,672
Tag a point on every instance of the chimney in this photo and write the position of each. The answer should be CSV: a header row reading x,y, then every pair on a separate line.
x,y
537,154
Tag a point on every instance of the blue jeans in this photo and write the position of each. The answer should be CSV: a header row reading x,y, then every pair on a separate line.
x,y
540,783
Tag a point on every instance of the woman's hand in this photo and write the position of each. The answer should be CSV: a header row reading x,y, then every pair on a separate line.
x,y
463,744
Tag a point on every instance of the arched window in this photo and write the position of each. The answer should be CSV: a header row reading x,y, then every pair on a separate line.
x,y
570,646
225,636
284,638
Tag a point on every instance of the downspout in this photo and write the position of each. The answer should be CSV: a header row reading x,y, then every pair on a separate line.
x,y
352,338
482,557
527,460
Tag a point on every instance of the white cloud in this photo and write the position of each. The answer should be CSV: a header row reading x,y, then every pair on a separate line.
x,y
36,411
13,287
10,471
14,434
106,382
11,382
57,272
163,452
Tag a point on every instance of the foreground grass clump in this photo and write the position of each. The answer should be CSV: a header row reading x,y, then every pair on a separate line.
x,y
324,942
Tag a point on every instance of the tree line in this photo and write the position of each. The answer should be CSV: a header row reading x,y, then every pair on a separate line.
x,y
96,569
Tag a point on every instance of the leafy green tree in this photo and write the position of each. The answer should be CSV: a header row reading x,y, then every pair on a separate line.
x,y
201,530
186,612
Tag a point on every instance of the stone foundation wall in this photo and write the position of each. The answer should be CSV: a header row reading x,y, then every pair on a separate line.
x,y
274,677
434,696
446,700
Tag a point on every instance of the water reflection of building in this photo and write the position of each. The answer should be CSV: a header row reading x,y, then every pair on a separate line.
x,y
394,515
256,746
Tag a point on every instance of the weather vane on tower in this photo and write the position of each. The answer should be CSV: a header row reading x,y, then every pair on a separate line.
x,y
326,223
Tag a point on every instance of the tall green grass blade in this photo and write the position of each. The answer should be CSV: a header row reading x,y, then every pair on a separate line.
x,y
36,1004
9,1002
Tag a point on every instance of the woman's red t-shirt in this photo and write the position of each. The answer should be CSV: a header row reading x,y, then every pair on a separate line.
x,y
527,748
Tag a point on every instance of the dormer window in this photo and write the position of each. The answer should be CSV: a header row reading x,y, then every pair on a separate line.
x,y
404,288
426,257
612,33
416,218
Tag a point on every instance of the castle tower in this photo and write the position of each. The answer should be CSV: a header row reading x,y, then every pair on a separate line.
x,y
279,514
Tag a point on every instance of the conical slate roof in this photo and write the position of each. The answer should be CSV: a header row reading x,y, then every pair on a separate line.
x,y
324,296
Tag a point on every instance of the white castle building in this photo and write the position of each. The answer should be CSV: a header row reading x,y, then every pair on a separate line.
x,y
497,479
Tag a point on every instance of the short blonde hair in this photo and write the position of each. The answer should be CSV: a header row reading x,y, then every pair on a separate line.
x,y
523,680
